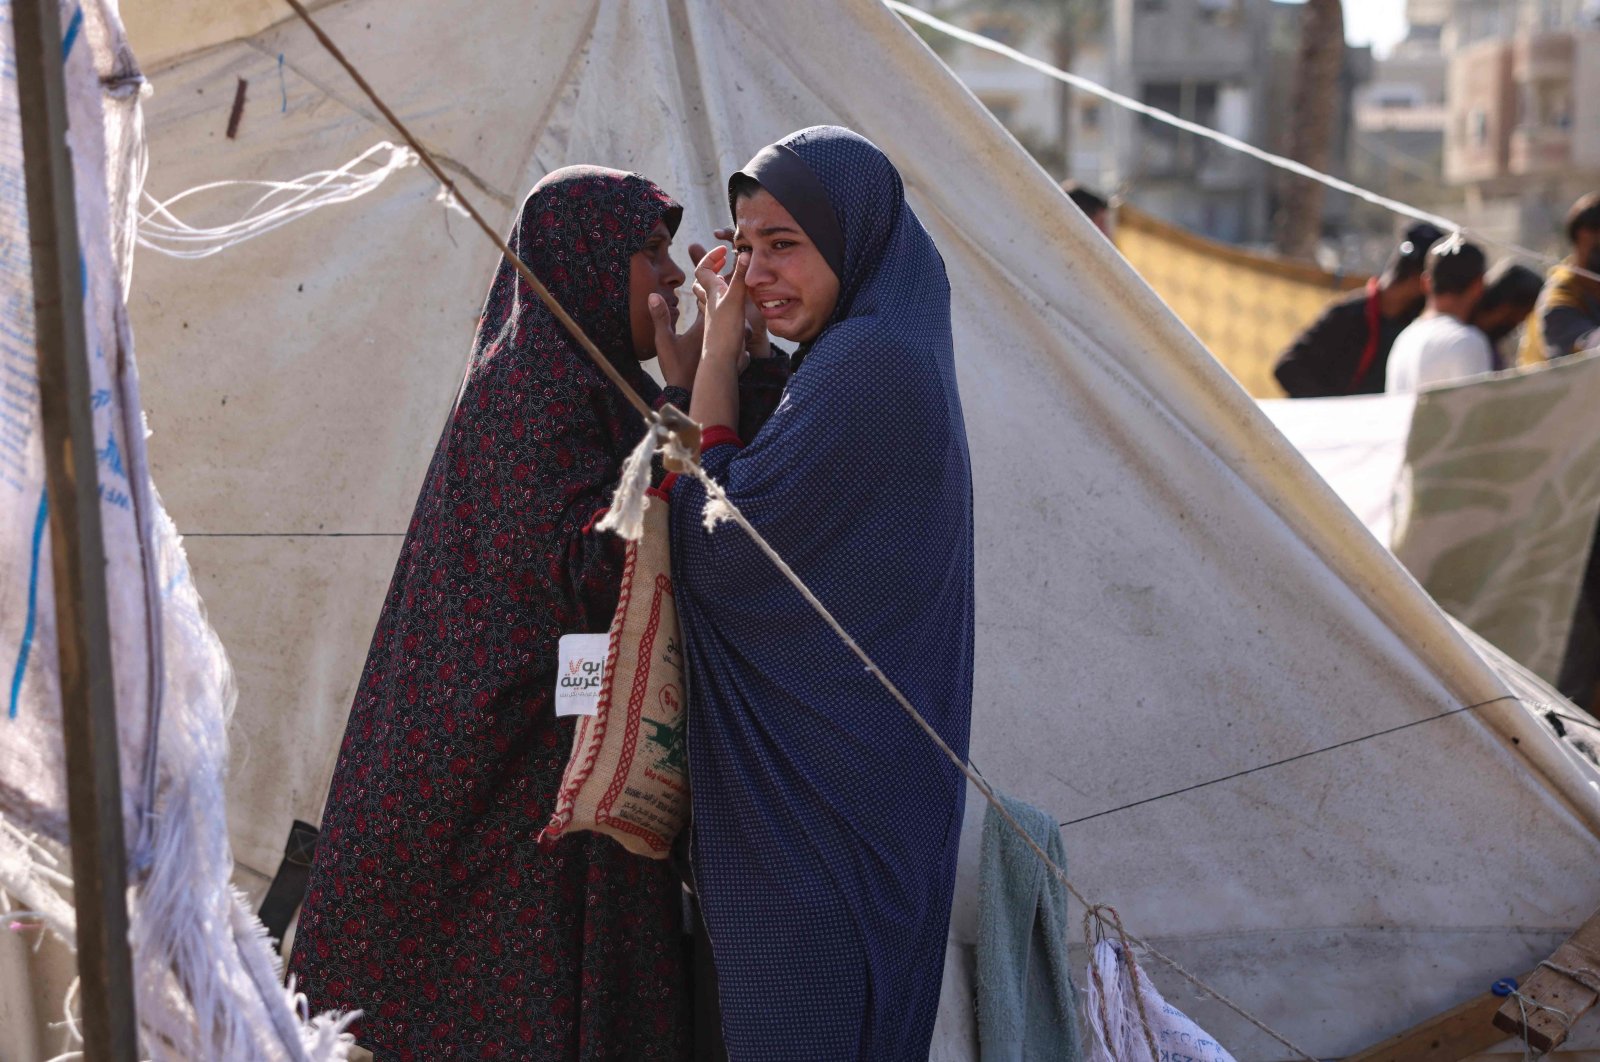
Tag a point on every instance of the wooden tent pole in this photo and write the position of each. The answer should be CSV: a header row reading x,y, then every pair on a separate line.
x,y
77,549
1457,1033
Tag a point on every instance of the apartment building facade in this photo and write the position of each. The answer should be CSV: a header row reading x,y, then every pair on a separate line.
x,y
1523,130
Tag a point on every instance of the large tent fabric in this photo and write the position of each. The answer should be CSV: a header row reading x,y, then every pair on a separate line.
x,y
1245,306
1167,593
1486,489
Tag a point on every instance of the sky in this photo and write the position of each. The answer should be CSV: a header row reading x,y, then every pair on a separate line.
x,y
1379,23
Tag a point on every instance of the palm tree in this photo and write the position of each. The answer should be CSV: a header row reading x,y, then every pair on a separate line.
x,y
1316,96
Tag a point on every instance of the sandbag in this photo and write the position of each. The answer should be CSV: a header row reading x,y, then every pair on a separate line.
x,y
628,775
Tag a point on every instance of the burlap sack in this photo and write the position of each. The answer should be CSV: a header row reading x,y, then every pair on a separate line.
x,y
628,775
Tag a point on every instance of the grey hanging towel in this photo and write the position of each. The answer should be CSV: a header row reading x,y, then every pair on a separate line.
x,y
1027,1008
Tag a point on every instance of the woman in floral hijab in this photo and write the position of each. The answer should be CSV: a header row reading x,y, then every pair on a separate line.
x,y
431,906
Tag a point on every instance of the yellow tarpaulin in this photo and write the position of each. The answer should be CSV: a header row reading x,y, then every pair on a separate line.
x,y
1245,307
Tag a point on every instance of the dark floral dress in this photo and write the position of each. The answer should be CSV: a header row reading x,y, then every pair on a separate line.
x,y
431,907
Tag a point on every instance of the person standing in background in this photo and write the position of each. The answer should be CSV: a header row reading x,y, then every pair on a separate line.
x,y
1510,293
1095,207
1346,350
1441,345
1567,319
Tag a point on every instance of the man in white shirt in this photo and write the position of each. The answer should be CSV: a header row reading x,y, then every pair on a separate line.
x,y
1442,345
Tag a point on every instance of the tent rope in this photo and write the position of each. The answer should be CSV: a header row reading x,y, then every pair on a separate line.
x,y
1300,756
1524,1004
719,508
1094,923
279,203
1281,162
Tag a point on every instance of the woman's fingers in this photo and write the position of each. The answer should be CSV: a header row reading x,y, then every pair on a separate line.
x,y
736,281
756,339
723,234
677,355
697,251
724,333
706,274
691,336
712,260
661,316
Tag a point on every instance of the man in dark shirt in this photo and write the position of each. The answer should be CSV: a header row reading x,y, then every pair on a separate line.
x,y
1346,350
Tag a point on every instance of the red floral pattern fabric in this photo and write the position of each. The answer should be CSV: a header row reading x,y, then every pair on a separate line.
x,y
431,907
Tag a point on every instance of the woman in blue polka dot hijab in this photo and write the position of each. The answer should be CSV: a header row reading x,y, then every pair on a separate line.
x,y
825,822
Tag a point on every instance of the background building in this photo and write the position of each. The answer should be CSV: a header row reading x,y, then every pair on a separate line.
x,y
1226,64
1397,137
1522,137
1488,111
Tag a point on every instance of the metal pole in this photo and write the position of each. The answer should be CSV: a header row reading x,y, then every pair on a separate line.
x,y
78,560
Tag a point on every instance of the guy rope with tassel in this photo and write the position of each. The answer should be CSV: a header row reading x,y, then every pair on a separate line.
x,y
678,439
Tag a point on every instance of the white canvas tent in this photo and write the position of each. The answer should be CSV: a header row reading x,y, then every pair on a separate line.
x,y
1168,594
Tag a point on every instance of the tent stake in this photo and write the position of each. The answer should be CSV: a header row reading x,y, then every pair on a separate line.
x,y
77,550
1558,993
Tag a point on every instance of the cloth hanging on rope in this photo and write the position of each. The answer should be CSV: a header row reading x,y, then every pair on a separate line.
x,y
1027,1006
825,823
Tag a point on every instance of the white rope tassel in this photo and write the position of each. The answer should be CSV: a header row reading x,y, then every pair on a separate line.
x,y
718,509
279,203
1111,1009
626,515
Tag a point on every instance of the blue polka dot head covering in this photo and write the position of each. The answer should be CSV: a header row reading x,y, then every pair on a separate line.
x,y
851,202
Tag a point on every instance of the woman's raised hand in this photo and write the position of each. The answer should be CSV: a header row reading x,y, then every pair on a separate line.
x,y
724,300
678,355
757,343
716,392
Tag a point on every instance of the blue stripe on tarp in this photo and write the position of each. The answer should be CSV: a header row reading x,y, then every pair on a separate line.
x,y
71,36
39,524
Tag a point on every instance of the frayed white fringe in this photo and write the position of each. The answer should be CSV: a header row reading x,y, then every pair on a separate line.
x,y
626,516
718,510
1112,1008
1112,1012
29,872
208,984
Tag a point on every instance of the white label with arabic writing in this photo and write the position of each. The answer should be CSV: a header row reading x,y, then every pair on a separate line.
x,y
581,666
